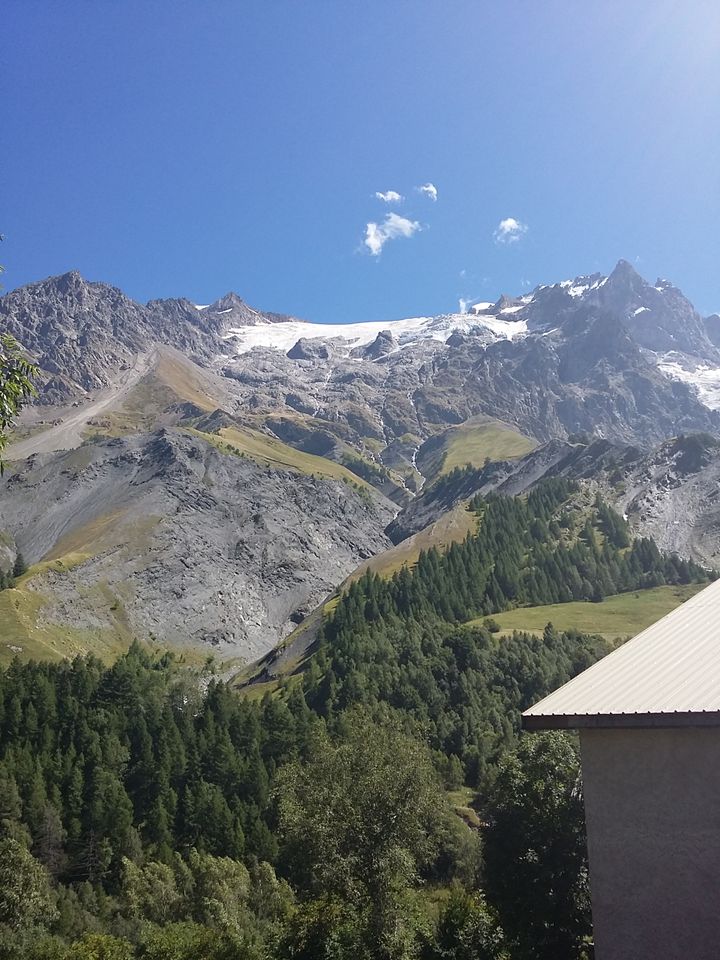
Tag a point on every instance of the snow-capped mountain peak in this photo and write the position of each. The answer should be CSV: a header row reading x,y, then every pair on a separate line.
x,y
284,335
657,317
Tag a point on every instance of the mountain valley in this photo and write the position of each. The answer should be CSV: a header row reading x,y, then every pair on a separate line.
x,y
207,476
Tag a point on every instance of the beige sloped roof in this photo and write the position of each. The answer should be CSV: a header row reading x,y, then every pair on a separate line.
x,y
668,675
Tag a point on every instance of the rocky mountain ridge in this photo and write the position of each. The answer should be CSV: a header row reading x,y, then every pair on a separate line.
x,y
207,475
619,335
568,358
82,333
173,537
671,493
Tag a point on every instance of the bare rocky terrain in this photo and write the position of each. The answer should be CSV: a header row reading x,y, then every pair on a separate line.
x,y
670,493
82,333
207,475
164,536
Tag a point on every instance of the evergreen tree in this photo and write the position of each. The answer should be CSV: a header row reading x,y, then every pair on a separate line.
x,y
19,567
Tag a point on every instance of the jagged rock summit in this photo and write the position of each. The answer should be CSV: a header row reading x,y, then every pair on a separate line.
x,y
206,474
82,333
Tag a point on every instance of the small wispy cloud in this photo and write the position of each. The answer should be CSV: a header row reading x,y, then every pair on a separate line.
x,y
390,196
466,304
392,227
463,304
430,190
509,230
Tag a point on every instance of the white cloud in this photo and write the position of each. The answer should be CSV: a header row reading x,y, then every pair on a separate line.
x,y
393,226
509,230
465,304
390,196
429,189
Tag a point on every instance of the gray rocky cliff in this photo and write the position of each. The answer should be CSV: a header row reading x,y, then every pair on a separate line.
x,y
180,542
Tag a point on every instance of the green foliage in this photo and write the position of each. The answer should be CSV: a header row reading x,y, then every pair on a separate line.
x,y
393,640
151,892
463,686
519,556
453,479
213,892
144,816
101,764
358,821
25,896
466,930
374,473
99,946
323,929
616,530
19,567
535,858
191,941
16,373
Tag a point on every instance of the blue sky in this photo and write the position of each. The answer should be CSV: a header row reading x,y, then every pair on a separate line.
x,y
176,148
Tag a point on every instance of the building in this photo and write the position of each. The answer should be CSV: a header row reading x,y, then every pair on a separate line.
x,y
648,715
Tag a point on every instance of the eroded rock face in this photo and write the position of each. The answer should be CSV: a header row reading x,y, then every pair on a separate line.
x,y
78,332
657,316
585,364
671,493
308,350
83,333
592,378
184,543
384,344
173,538
589,361
712,328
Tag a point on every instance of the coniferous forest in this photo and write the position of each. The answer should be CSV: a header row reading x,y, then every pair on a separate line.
x,y
378,804
356,396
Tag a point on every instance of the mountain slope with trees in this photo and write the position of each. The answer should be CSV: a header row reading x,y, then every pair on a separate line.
x,y
403,640
150,812
118,375
380,802
142,815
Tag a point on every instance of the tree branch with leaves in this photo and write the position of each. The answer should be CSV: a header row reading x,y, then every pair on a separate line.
x,y
16,387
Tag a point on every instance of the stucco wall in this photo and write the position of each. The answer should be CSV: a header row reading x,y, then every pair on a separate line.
x,y
652,804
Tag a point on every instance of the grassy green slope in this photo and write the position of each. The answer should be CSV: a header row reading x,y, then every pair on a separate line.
x,y
274,453
622,615
451,527
172,380
29,625
473,443
25,632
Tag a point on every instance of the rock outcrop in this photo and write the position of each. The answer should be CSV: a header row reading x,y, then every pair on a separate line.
x,y
172,539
